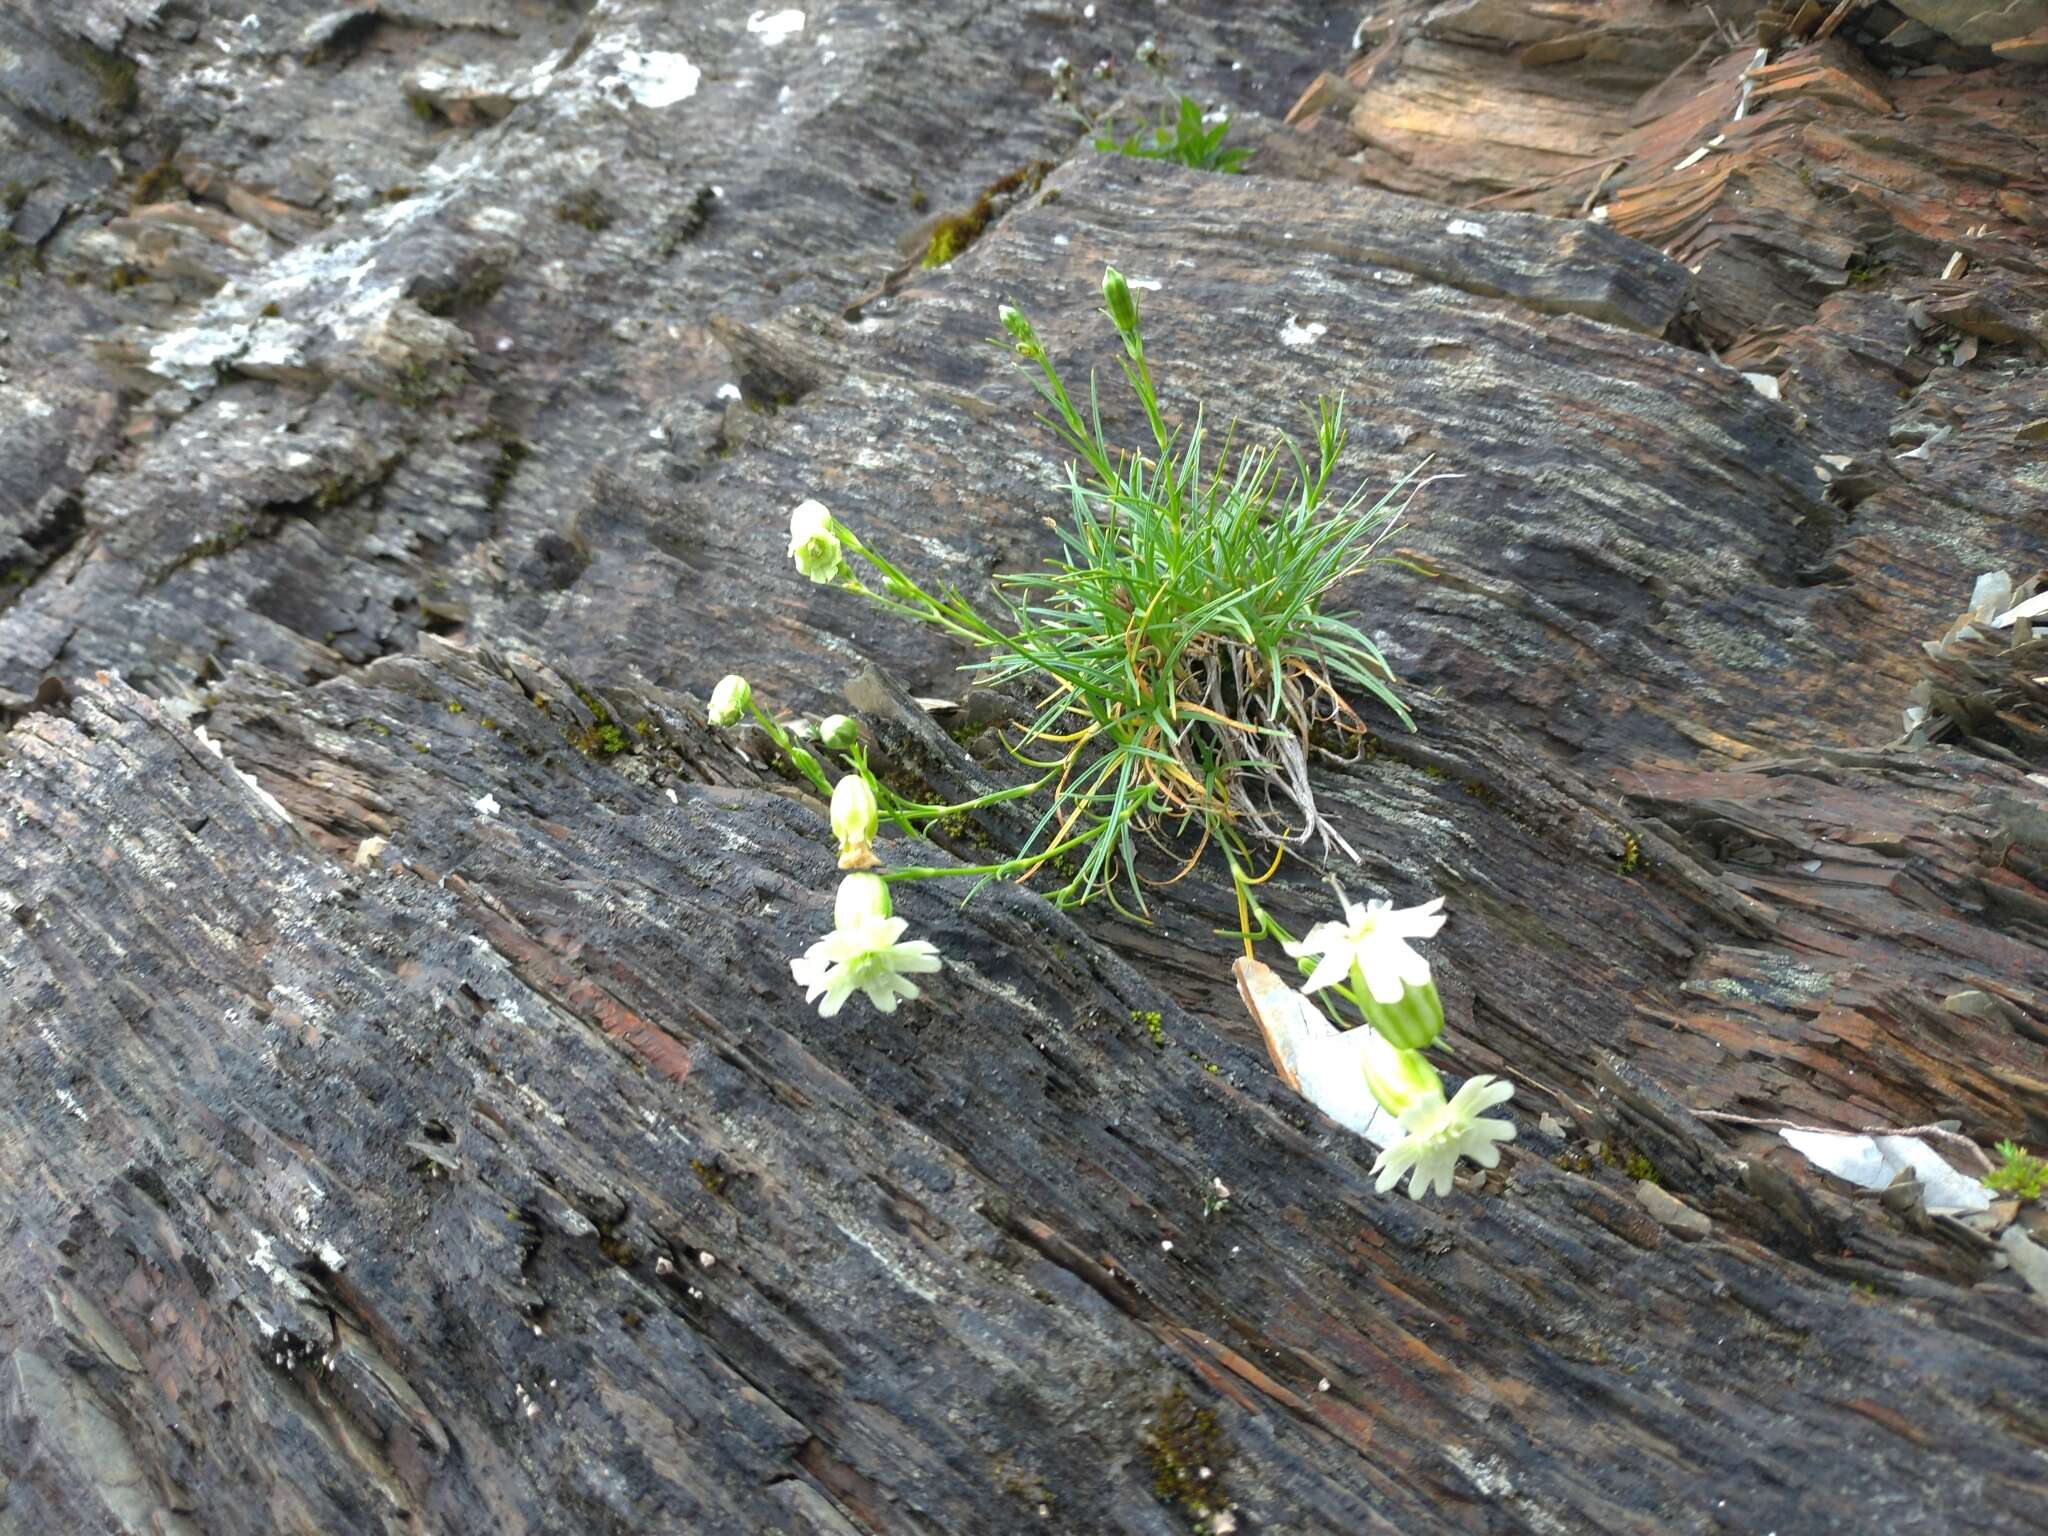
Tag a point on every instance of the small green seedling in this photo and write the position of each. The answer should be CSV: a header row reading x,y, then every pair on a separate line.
x,y
2020,1174
1185,138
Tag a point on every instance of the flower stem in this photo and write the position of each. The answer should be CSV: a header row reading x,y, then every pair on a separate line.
x,y
805,763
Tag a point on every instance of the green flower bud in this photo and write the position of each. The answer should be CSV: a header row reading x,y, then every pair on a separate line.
x,y
855,817
1116,294
838,733
729,700
814,542
861,897
1411,1024
1400,1080
1019,329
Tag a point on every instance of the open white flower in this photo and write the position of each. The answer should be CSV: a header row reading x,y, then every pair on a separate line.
x,y
1438,1134
1372,944
865,952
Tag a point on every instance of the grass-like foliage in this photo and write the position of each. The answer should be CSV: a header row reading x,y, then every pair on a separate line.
x,y
1181,654
2019,1173
1185,137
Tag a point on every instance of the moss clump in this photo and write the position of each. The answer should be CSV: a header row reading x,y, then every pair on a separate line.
x,y
115,74
602,741
954,233
1632,1163
602,737
472,289
1189,1454
586,209
710,1175
1631,855
1149,1020
158,184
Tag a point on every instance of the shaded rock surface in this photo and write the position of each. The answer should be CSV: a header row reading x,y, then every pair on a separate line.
x,y
411,1125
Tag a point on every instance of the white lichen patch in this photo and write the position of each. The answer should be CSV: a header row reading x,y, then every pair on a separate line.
x,y
1468,228
650,77
266,1261
1296,335
775,27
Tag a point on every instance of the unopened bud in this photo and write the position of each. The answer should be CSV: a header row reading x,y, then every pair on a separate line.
x,y
1116,294
1020,330
729,700
855,817
1399,1079
1412,1024
837,733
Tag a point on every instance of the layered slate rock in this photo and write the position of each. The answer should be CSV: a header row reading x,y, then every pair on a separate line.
x,y
412,1124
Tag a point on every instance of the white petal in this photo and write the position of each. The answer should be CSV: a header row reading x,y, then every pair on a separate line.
x,y
1383,974
1407,964
919,956
1392,1163
1329,971
1436,1172
1481,1093
1415,922
1318,940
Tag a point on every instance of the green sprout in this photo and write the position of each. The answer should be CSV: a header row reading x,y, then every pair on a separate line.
x,y
2019,1173
1185,138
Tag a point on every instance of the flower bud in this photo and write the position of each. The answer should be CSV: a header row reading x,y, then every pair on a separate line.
x,y
1020,330
729,700
861,897
1116,294
855,817
1409,1025
837,733
814,542
1400,1080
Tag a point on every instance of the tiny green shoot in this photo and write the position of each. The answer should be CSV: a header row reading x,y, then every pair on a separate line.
x,y
2019,1173
1185,138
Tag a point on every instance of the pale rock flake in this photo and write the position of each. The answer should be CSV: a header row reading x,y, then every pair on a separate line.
x,y
652,77
1296,335
775,27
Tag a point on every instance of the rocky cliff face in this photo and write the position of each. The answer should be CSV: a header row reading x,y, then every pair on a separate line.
x,y
410,1125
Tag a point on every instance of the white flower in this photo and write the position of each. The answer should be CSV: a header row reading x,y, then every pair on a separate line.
x,y
1438,1134
729,700
814,542
866,952
1372,943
